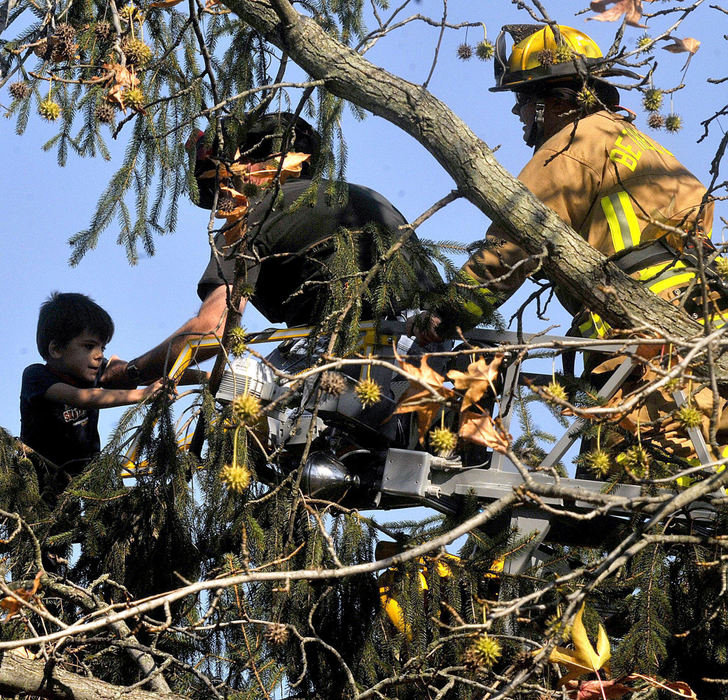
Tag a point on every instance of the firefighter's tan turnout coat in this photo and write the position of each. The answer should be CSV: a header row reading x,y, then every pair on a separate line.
x,y
631,199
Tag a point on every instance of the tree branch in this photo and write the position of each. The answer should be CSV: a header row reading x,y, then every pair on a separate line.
x,y
92,604
574,265
34,677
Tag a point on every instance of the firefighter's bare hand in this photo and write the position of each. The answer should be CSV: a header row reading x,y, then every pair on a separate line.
x,y
424,327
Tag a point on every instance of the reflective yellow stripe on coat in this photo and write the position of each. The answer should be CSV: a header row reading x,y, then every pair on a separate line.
x,y
623,223
594,327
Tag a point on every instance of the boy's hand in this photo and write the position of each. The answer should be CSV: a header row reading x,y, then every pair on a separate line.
x,y
160,385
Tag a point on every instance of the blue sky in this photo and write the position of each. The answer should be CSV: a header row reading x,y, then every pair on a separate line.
x,y
42,204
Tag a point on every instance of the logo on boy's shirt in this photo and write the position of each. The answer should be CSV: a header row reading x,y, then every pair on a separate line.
x,y
75,415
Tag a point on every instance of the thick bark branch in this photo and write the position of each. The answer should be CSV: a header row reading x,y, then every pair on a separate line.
x,y
573,264
127,641
36,678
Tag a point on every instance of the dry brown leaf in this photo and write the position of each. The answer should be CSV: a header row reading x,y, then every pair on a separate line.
x,y
121,75
235,231
239,201
235,217
209,174
116,95
678,688
263,173
425,410
592,690
12,605
260,174
121,79
631,9
423,374
215,7
483,430
477,380
23,653
598,690
418,398
688,44
164,4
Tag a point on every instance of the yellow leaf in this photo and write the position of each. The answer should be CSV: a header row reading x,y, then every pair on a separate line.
x,y
582,659
389,597
604,651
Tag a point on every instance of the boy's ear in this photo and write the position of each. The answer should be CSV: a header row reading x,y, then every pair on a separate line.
x,y
54,350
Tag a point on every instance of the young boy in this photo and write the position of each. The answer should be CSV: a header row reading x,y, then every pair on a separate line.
x,y
60,401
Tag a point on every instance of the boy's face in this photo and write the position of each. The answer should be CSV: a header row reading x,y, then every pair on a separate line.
x,y
81,357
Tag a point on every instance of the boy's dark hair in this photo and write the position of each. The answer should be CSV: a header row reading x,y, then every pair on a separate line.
x,y
63,316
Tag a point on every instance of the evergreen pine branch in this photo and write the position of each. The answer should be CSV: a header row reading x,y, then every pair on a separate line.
x,y
644,647
450,246
106,208
22,109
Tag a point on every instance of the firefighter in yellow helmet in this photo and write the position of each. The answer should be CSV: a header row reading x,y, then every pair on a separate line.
x,y
568,66
623,192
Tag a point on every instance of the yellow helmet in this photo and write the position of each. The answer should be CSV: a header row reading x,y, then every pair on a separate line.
x,y
538,57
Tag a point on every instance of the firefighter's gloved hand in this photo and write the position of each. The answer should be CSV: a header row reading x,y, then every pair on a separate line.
x,y
424,327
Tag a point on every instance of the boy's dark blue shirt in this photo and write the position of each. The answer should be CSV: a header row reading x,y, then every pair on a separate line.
x,y
66,435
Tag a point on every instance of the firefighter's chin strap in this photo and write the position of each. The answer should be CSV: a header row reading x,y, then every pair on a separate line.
x,y
535,134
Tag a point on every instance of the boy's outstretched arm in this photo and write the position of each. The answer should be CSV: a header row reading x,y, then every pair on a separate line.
x,y
99,398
